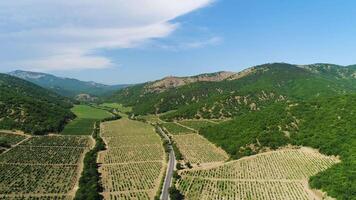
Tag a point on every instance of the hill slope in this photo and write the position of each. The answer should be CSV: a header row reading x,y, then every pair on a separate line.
x,y
30,108
242,92
65,86
323,123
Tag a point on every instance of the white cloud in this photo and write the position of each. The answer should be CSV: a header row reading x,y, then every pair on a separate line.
x,y
62,34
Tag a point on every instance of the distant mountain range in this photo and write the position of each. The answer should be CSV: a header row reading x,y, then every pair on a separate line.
x,y
66,86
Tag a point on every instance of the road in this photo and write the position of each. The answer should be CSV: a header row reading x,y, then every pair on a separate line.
x,y
170,169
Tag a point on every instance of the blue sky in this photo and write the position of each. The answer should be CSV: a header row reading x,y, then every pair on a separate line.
x,y
122,41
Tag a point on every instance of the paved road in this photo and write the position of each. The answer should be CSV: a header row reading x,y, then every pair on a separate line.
x,y
171,164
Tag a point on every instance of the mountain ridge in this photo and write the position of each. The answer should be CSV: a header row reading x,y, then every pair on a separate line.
x,y
69,87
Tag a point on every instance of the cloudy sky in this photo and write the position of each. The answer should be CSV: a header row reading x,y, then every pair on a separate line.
x,y
130,41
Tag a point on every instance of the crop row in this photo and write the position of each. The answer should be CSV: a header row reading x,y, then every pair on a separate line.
x,y
42,155
175,128
130,196
22,179
197,149
36,197
133,162
11,139
131,154
285,164
41,166
200,189
67,141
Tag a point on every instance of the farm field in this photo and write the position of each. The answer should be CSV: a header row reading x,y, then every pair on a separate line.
x,y
11,138
134,162
196,149
197,124
150,118
176,129
43,167
280,174
117,106
86,118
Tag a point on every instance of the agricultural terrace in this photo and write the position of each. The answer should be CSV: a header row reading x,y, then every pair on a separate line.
x,y
176,129
86,118
43,167
197,124
281,174
196,149
133,164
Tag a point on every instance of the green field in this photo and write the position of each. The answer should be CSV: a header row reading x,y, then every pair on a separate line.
x,y
117,106
86,118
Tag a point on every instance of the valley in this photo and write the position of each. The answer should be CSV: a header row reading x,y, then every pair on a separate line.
x,y
275,131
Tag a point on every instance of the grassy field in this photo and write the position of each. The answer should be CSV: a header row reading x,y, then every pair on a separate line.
x,y
42,166
86,118
176,129
133,164
281,174
196,149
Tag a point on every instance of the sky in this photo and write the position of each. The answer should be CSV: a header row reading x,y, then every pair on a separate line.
x,y
133,41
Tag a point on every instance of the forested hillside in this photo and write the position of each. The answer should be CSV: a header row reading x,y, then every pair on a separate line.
x,y
261,86
30,108
323,123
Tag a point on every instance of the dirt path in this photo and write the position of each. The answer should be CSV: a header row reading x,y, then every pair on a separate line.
x,y
187,127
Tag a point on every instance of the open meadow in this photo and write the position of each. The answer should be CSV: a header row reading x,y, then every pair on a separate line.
x,y
134,162
281,174
43,167
86,118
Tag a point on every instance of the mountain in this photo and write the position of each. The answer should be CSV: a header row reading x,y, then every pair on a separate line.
x,y
28,107
249,90
269,106
326,124
66,86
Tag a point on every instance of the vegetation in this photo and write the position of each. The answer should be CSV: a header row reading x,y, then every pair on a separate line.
x,y
87,116
175,128
8,139
133,160
25,106
196,124
46,167
196,149
273,175
323,123
66,86
89,185
264,85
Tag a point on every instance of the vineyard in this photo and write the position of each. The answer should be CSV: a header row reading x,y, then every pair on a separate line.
x,y
196,149
45,167
281,174
133,164
176,129
11,138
